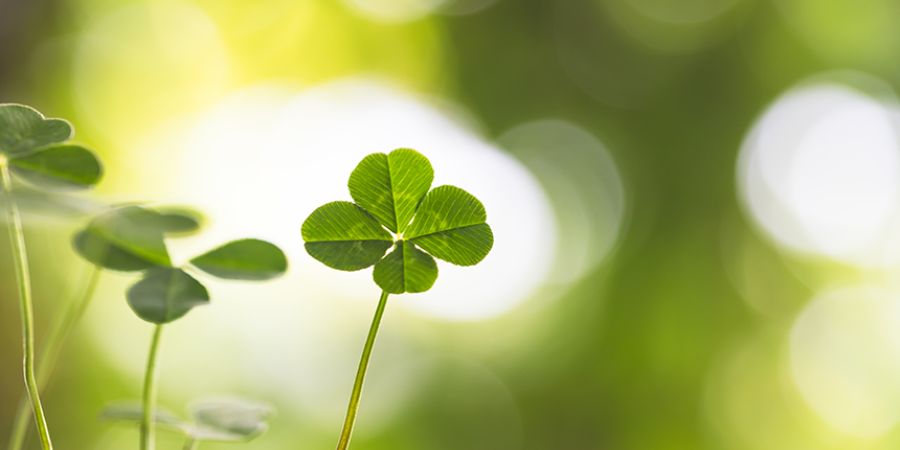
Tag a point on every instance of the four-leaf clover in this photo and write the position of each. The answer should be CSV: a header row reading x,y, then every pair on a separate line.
x,y
393,207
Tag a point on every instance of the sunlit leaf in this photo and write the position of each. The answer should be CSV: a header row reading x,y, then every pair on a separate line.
x,y
133,413
344,236
179,221
134,230
391,186
23,129
103,253
166,294
450,225
64,166
406,269
228,419
246,259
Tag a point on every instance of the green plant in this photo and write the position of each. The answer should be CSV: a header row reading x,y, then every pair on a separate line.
x,y
394,208
180,221
34,149
132,238
212,420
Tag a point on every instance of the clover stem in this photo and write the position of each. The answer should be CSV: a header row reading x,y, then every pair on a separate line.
x,y
191,444
17,239
50,353
353,407
151,376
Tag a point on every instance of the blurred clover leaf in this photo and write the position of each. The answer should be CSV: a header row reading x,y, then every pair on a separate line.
x,y
35,150
132,238
393,207
225,419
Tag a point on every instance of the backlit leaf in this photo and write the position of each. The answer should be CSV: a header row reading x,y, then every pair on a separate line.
x,y
391,186
134,230
64,166
23,129
406,269
166,294
343,236
246,259
450,225
228,419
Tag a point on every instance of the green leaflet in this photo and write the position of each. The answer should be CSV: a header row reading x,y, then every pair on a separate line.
x,y
65,166
130,230
214,420
344,236
450,225
23,129
245,259
391,191
166,294
406,269
391,186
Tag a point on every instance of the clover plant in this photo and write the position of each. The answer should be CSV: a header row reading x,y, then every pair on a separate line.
x,y
132,238
394,207
36,150
178,222
212,420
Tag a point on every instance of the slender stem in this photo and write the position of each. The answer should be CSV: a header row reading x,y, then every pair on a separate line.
x,y
17,239
353,407
148,425
191,444
50,353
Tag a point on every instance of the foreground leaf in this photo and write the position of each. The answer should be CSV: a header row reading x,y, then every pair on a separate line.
x,y
450,225
166,294
345,237
391,186
406,269
133,230
103,253
133,412
64,166
23,129
228,419
246,259
179,221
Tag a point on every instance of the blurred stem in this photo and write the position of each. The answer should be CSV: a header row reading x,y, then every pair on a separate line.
x,y
191,444
50,353
17,239
353,407
148,425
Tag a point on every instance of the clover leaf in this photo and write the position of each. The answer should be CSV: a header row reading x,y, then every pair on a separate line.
x,y
226,419
35,150
394,208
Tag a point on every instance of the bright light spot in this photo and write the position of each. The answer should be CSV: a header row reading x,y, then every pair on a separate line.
x,y
585,187
142,64
395,11
845,359
820,172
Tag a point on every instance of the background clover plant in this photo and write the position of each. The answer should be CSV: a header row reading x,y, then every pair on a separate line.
x,y
176,222
35,150
132,238
224,419
393,207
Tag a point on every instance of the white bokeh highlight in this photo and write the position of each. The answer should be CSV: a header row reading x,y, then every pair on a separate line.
x,y
845,359
820,173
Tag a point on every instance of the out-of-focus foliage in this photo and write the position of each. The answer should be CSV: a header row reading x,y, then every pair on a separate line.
x,y
715,269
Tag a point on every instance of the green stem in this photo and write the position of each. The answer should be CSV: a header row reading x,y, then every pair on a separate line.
x,y
148,425
50,354
191,444
353,407
17,239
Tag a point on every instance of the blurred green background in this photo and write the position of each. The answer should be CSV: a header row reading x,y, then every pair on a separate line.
x,y
694,202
